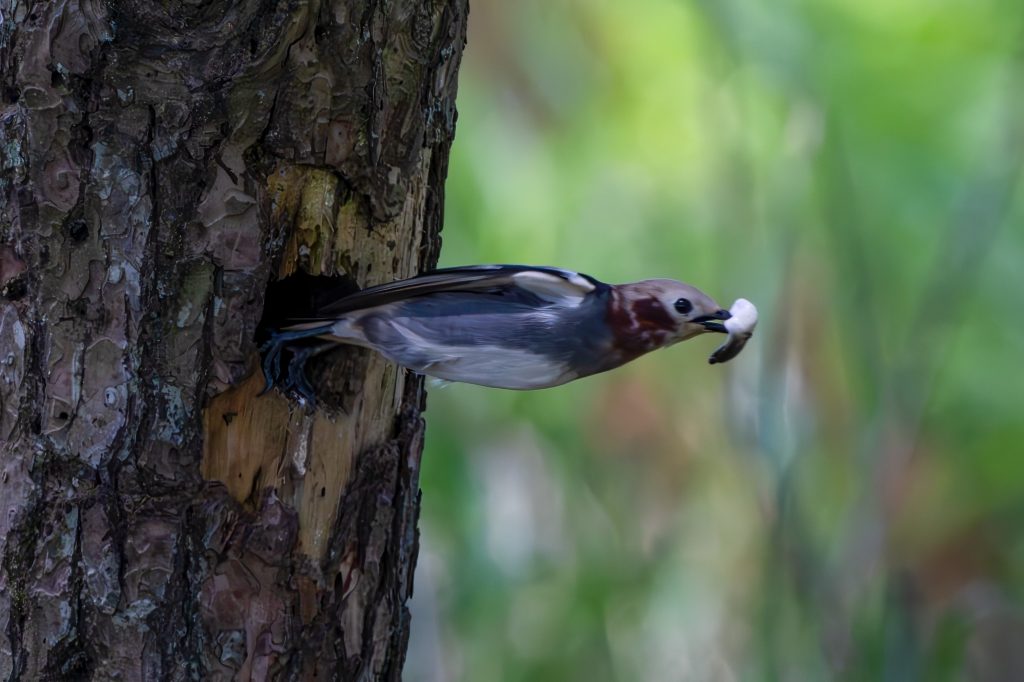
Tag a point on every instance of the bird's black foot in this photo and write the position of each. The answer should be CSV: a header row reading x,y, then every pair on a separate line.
x,y
271,364
299,346
297,384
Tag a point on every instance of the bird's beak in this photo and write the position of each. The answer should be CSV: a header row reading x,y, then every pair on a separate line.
x,y
711,322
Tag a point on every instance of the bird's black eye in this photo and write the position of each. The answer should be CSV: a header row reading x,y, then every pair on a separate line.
x,y
683,306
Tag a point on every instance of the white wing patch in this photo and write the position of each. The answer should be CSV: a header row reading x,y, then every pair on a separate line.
x,y
497,367
484,365
569,291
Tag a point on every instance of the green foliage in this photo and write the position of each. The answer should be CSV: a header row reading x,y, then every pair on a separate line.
x,y
842,501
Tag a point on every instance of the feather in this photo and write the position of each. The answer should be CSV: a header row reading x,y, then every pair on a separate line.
x,y
554,285
497,367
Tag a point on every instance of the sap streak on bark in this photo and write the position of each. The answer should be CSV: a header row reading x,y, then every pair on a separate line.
x,y
160,161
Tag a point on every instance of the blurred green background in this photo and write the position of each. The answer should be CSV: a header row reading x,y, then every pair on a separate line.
x,y
845,500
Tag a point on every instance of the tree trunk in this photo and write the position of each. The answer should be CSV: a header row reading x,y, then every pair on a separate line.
x,y
162,162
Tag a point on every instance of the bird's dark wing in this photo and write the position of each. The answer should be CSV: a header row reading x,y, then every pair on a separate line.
x,y
551,284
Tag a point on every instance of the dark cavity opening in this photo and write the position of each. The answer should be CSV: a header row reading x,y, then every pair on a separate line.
x,y
78,230
299,296
288,301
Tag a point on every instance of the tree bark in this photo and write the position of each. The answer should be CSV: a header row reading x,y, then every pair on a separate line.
x,y
161,163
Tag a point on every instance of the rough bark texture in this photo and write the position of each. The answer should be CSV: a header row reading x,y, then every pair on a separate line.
x,y
162,161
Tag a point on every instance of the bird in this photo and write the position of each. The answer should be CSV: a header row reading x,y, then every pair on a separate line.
x,y
503,326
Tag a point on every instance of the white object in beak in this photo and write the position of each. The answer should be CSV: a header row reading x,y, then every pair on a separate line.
x,y
740,327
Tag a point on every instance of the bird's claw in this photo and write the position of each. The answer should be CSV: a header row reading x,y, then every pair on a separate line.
x,y
300,345
292,381
298,384
271,364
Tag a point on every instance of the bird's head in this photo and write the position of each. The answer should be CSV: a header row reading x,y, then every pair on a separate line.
x,y
660,312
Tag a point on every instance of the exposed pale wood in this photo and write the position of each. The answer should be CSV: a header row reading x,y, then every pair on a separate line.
x,y
251,442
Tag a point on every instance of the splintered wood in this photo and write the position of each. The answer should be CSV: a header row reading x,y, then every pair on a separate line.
x,y
258,443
